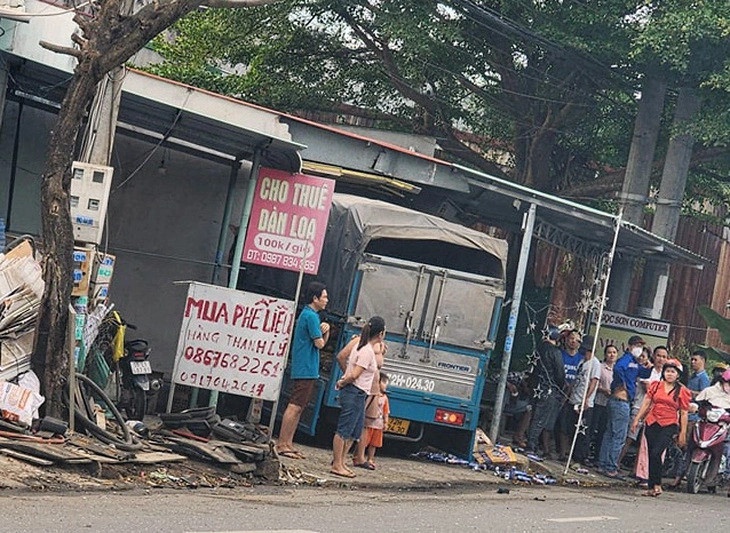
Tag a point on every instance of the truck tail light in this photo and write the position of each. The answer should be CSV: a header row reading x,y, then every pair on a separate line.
x,y
452,418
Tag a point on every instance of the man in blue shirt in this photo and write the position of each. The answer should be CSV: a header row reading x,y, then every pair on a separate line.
x,y
310,336
623,388
572,358
699,380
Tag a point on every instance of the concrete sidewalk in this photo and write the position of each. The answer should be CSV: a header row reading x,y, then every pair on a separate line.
x,y
403,473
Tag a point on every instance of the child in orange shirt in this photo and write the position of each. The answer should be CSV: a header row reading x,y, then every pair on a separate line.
x,y
375,423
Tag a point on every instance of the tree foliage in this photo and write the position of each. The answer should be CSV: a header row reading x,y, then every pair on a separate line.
x,y
553,81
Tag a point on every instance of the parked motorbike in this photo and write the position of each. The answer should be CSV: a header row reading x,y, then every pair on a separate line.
x,y
128,362
136,383
708,440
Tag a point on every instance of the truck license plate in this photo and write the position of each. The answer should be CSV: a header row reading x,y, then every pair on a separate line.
x,y
140,367
398,426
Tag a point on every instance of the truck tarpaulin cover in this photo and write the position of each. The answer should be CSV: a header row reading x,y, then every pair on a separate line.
x,y
355,224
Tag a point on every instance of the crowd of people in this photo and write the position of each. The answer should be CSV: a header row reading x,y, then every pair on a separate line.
x,y
634,400
568,399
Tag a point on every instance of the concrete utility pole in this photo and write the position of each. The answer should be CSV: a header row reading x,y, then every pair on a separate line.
x,y
528,225
635,188
669,200
99,135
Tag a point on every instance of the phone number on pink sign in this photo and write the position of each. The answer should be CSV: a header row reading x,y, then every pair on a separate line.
x,y
280,260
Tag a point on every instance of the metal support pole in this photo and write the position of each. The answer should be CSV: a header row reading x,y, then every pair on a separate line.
x,y
528,224
226,221
221,248
275,408
71,340
601,306
241,238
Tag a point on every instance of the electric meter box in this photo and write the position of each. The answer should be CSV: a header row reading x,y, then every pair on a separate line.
x,y
90,186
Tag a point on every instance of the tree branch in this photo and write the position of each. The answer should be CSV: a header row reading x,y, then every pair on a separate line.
x,y
236,3
75,37
67,50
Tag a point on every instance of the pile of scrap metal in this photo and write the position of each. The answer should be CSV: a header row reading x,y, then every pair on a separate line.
x,y
201,434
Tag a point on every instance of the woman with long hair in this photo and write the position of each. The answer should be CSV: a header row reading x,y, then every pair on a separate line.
x,y
354,388
665,405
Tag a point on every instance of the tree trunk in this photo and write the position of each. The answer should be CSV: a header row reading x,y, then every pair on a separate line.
x,y
533,154
109,39
50,355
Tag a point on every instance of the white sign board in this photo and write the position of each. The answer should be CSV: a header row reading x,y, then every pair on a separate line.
x,y
233,341
617,328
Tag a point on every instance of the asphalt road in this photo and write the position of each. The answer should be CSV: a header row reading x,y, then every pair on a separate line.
x,y
342,510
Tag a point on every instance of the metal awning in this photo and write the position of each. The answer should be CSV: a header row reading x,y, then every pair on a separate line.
x,y
180,116
569,220
470,193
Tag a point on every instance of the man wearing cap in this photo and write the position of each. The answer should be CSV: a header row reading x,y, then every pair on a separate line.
x,y
549,377
623,389
583,394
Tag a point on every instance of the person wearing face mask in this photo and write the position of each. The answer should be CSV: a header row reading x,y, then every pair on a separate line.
x,y
623,389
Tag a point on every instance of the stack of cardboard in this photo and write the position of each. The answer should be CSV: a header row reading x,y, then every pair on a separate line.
x,y
21,290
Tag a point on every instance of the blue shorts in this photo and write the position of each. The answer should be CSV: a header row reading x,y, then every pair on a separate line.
x,y
352,412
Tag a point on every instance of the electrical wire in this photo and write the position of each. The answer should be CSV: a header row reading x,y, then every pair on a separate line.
x,y
154,149
36,15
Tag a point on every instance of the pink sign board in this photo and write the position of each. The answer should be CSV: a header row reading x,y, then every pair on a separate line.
x,y
288,220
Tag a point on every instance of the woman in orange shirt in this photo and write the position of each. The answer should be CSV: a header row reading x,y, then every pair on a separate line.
x,y
665,406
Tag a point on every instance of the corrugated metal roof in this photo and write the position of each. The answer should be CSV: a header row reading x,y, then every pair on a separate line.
x,y
186,117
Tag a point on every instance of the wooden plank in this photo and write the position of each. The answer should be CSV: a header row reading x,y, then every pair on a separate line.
x,y
218,454
95,447
243,452
85,454
25,457
52,452
156,457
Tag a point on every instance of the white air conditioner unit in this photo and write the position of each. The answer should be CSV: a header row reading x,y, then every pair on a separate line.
x,y
90,186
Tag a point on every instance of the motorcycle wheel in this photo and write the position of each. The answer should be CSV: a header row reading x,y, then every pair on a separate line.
x,y
139,404
694,476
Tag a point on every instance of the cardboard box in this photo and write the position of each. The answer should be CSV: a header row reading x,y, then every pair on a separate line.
x,y
103,268
82,264
24,249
